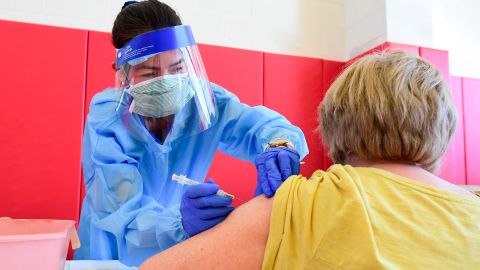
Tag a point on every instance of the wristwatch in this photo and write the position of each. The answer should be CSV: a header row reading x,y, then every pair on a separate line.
x,y
279,143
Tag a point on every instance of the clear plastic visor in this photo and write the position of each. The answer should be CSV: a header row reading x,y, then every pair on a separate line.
x,y
166,82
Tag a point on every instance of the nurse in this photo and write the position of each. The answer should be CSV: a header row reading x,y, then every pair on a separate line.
x,y
164,118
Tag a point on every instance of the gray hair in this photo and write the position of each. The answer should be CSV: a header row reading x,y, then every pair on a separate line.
x,y
388,106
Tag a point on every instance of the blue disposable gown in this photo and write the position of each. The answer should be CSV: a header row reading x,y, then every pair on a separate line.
x,y
131,208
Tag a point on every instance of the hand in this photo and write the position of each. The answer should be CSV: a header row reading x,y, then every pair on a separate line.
x,y
202,209
274,166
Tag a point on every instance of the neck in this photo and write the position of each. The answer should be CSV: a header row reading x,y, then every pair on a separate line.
x,y
160,127
411,171
382,163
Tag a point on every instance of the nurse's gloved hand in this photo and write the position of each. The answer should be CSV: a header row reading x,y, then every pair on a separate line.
x,y
274,166
202,209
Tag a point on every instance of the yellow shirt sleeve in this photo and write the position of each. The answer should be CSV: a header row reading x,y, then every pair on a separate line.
x,y
305,211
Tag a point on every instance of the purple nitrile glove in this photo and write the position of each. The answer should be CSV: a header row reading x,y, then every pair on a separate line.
x,y
201,208
274,166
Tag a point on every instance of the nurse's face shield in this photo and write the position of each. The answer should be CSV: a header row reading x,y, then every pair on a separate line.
x,y
163,71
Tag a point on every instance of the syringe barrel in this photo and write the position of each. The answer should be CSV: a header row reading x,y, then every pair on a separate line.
x,y
223,193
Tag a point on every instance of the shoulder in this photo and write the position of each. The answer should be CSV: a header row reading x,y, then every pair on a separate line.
x,y
104,105
338,172
222,95
106,98
336,177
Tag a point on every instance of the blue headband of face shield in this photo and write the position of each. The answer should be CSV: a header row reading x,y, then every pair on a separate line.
x,y
150,43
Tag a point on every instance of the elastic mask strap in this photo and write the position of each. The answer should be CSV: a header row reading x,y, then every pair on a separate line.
x,y
127,82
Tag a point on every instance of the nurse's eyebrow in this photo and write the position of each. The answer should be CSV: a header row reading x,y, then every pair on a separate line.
x,y
148,67
176,63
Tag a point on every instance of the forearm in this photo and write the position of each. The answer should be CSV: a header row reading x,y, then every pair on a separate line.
x,y
237,243
247,130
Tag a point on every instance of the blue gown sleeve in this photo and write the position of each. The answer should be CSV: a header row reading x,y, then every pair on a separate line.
x,y
247,130
140,225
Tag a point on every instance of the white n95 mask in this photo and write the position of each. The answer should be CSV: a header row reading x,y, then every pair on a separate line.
x,y
161,96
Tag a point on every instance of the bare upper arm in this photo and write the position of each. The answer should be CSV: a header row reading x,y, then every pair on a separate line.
x,y
237,243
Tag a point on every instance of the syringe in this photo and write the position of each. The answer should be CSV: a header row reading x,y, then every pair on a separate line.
x,y
182,179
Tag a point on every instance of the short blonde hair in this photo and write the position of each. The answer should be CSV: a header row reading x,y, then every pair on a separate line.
x,y
388,106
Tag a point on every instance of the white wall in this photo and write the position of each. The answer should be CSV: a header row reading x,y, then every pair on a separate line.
x,y
463,39
297,27
410,22
84,14
451,25
328,29
366,26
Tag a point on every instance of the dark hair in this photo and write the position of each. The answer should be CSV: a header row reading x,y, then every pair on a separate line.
x,y
138,18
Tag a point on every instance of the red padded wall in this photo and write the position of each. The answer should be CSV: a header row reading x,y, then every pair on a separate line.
x,y
471,101
42,116
453,162
294,87
100,73
240,72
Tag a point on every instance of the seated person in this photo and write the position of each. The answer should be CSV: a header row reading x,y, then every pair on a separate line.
x,y
387,120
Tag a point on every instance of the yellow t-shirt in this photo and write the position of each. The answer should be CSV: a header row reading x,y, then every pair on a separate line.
x,y
366,218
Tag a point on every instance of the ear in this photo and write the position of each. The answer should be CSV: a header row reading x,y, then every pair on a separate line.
x,y
114,67
120,80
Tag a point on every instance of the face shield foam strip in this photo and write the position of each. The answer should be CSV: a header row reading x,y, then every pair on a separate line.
x,y
155,42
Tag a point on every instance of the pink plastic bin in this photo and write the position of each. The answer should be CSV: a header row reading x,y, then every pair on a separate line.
x,y
39,244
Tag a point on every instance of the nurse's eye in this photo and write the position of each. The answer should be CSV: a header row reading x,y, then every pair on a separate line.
x,y
175,70
148,75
